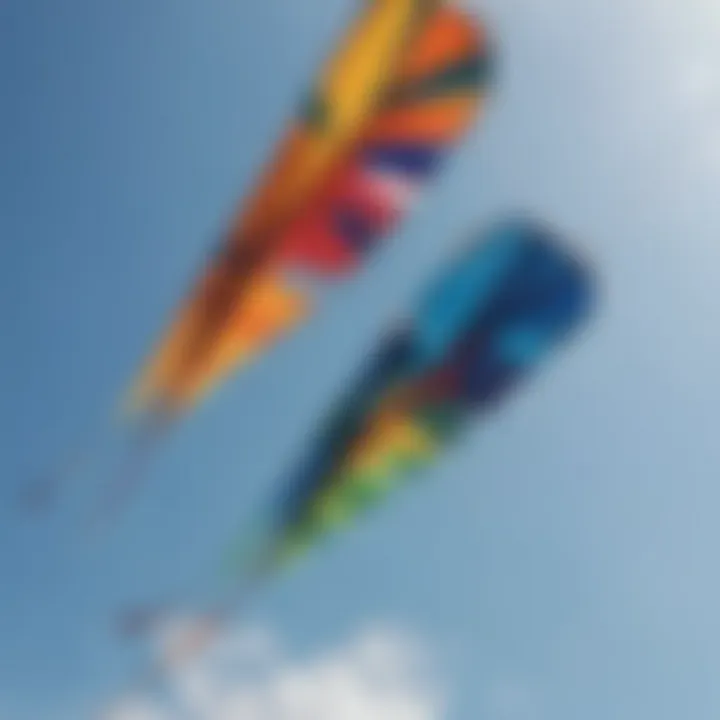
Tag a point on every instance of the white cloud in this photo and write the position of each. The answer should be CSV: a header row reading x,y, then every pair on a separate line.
x,y
380,674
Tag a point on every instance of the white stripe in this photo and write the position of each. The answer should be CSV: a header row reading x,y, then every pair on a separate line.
x,y
391,187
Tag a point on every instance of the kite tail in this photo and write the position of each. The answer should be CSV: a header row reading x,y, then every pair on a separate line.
x,y
43,492
141,621
181,646
196,638
145,439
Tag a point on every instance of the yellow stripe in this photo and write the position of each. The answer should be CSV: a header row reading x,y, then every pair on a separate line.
x,y
350,86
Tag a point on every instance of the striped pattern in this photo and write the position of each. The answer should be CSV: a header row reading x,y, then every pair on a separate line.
x,y
401,91
522,295
438,92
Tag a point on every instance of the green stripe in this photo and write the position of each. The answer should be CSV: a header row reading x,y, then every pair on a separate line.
x,y
314,113
442,421
469,74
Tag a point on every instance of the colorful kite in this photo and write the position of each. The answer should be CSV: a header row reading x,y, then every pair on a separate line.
x,y
485,326
400,92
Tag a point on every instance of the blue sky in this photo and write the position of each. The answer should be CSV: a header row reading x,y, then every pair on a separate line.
x,y
565,554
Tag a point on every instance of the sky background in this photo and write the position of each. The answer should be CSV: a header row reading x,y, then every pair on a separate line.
x,y
562,563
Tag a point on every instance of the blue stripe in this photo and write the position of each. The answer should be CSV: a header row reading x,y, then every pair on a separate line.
x,y
459,295
357,229
417,161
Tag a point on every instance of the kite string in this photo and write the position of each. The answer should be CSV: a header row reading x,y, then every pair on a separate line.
x,y
207,629
136,457
43,492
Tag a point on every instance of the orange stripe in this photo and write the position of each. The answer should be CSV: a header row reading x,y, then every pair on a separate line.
x,y
450,36
155,382
436,121
259,213
269,309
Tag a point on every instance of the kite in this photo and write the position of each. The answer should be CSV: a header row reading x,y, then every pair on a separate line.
x,y
402,90
483,328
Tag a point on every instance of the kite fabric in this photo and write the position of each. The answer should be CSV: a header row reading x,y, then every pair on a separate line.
x,y
482,328
401,91
487,324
